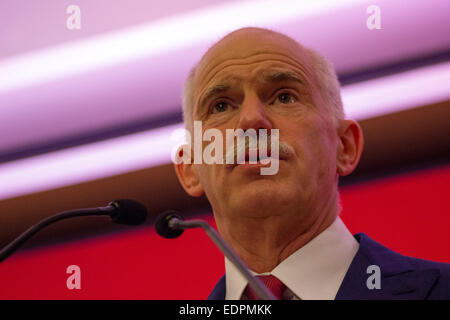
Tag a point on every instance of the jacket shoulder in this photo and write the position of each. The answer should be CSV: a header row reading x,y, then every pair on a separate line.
x,y
441,288
431,274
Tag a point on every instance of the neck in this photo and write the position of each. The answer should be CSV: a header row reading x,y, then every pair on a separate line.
x,y
264,242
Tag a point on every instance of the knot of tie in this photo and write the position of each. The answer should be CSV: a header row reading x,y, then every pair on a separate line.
x,y
271,282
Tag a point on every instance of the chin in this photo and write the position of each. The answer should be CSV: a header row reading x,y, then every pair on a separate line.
x,y
259,197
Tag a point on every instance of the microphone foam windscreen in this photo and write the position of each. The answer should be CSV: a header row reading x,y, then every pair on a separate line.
x,y
162,225
129,212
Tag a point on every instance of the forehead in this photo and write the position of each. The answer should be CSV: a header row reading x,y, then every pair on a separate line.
x,y
246,47
252,57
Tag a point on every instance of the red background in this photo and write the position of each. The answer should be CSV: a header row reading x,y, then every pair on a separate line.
x,y
407,212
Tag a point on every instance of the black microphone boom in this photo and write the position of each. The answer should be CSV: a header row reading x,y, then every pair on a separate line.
x,y
170,225
123,211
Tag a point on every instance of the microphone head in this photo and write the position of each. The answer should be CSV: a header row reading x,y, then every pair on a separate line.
x,y
128,212
162,224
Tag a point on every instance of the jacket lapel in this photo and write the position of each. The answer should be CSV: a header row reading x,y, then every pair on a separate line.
x,y
399,280
218,293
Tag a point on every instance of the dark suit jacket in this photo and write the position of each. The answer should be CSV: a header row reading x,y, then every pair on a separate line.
x,y
402,277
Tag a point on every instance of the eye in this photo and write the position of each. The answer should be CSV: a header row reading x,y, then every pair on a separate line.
x,y
286,98
220,107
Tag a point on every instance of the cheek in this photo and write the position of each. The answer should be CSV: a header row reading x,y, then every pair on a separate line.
x,y
326,157
211,181
316,149
206,175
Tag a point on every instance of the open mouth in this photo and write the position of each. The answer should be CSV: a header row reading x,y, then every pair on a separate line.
x,y
256,155
255,158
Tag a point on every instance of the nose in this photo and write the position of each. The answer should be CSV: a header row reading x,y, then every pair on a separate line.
x,y
253,114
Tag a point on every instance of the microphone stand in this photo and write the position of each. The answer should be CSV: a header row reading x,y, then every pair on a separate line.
x,y
11,247
255,283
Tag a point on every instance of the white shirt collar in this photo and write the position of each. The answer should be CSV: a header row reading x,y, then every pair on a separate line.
x,y
313,272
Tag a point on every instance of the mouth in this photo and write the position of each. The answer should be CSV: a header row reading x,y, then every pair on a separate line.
x,y
255,158
257,155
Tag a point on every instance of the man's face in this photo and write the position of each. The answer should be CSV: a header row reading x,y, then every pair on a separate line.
x,y
267,82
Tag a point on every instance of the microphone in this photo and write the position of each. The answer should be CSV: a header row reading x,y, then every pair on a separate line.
x,y
124,211
170,224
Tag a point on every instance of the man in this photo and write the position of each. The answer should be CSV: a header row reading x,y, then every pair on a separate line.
x,y
286,226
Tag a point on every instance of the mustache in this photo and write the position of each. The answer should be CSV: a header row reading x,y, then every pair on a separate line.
x,y
285,150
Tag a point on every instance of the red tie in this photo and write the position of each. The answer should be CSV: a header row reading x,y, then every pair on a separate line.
x,y
272,283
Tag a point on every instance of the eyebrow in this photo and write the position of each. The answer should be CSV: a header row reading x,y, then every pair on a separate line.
x,y
214,90
280,76
267,77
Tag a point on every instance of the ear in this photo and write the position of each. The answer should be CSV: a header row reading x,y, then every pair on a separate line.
x,y
187,174
350,146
